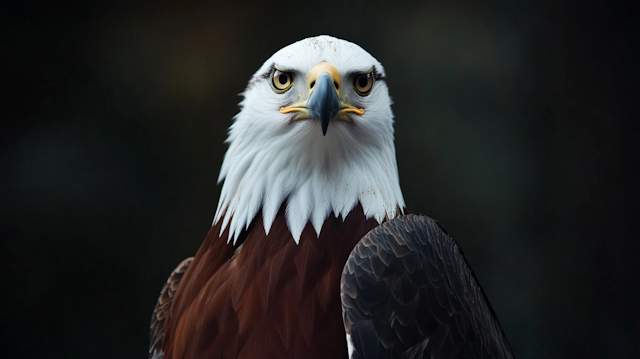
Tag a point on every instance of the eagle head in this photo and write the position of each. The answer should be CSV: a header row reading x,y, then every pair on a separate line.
x,y
315,130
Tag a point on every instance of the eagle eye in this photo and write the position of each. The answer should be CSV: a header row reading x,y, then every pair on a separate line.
x,y
281,81
363,83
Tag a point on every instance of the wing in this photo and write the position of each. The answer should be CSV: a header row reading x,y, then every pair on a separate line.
x,y
408,292
156,330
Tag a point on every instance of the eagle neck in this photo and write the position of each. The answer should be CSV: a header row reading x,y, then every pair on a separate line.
x,y
313,176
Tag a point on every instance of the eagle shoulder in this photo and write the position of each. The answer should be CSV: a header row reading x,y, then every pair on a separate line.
x,y
407,291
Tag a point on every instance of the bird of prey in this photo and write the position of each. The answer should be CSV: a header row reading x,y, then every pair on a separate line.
x,y
312,252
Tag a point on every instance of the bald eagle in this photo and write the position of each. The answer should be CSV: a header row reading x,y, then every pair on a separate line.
x,y
312,252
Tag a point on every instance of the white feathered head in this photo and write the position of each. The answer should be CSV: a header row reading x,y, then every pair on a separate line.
x,y
315,129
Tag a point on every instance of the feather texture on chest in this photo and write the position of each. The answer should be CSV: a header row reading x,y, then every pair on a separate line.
x,y
272,293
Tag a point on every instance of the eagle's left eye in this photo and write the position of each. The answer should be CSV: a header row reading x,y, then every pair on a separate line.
x,y
281,81
363,84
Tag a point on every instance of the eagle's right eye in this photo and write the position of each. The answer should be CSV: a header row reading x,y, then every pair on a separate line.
x,y
281,81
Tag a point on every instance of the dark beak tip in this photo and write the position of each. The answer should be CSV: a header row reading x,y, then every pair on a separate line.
x,y
324,123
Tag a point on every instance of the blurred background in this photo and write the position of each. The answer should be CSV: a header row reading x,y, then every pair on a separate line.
x,y
516,127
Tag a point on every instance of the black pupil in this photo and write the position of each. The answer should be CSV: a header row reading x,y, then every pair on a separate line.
x,y
283,79
362,81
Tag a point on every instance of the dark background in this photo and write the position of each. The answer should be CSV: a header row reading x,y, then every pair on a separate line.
x,y
516,127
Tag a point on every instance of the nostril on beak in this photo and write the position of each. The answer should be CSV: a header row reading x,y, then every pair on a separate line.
x,y
312,84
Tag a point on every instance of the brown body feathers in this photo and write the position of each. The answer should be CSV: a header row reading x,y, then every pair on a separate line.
x,y
272,298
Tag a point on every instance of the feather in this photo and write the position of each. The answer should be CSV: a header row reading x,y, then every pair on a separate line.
x,y
272,298
161,311
432,304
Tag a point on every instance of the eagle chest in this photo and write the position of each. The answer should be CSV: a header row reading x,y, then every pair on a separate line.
x,y
273,298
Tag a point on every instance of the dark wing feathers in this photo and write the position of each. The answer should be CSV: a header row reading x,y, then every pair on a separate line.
x,y
408,292
161,311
